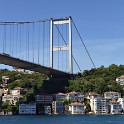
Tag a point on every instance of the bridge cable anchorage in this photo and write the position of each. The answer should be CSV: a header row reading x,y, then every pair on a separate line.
x,y
83,44
66,44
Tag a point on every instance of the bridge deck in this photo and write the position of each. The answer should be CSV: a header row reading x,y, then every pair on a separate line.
x,y
16,62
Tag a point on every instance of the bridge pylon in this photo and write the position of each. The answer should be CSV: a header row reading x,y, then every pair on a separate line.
x,y
67,47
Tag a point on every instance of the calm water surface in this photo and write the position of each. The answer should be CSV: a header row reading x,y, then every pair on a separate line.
x,y
65,119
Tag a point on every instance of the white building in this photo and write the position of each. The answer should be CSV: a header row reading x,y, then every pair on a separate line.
x,y
5,80
120,80
112,95
58,107
76,108
121,101
100,106
47,110
12,99
11,96
60,97
80,97
71,96
27,108
115,108
91,96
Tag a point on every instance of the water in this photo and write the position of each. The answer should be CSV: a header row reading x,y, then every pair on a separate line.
x,y
65,119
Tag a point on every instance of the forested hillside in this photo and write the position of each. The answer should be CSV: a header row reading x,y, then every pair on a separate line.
x,y
98,80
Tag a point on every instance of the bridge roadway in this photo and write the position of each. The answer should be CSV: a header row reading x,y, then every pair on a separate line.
x,y
16,62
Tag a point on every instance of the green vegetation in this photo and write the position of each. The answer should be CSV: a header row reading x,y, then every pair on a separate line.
x,y
98,80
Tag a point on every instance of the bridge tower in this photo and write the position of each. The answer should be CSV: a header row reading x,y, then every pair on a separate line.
x,y
67,47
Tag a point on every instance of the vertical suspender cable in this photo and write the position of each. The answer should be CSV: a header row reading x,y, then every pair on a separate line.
x,y
62,50
28,40
58,47
43,40
38,42
10,38
66,47
33,38
3,41
48,42
20,43
16,40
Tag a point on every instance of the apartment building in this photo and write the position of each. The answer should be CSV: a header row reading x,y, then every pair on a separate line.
x,y
44,99
121,102
71,96
115,108
100,106
59,97
11,96
58,107
76,108
112,95
120,80
27,108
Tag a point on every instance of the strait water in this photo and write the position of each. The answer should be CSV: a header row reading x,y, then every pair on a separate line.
x,y
65,119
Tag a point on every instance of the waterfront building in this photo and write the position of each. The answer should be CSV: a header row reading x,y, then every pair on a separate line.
x,y
58,107
71,96
80,97
11,96
100,106
44,99
27,108
120,80
12,99
112,95
47,110
76,108
115,108
91,96
15,91
121,101
59,97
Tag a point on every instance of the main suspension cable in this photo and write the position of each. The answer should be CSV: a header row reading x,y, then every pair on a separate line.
x,y
83,43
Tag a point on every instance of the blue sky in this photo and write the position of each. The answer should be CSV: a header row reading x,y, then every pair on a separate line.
x,y
100,23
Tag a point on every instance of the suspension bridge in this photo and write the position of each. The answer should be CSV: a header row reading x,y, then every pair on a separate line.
x,y
43,46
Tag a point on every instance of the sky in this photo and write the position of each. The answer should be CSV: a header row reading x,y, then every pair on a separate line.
x,y
100,23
